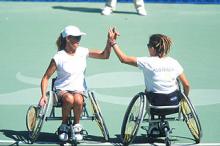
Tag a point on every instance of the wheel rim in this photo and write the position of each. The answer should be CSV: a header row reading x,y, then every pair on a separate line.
x,y
98,117
133,118
191,119
31,118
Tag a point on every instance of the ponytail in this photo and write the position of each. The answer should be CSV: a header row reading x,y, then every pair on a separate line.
x,y
61,43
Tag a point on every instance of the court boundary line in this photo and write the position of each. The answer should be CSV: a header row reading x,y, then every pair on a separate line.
x,y
105,143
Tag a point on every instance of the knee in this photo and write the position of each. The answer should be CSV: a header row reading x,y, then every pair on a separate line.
x,y
68,99
78,99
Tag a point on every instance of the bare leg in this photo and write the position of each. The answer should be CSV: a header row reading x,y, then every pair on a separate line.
x,y
67,104
77,107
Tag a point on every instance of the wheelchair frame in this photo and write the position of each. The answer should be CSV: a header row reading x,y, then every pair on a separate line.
x,y
36,116
134,117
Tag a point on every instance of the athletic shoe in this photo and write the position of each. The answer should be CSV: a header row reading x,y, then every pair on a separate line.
x,y
107,11
78,130
141,11
63,132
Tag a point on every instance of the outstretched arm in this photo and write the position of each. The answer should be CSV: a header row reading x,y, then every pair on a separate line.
x,y
123,57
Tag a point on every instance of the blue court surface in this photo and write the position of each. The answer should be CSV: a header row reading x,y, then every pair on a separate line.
x,y
28,34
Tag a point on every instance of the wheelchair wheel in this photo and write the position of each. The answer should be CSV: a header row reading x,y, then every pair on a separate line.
x,y
35,118
133,118
191,118
31,117
34,122
98,116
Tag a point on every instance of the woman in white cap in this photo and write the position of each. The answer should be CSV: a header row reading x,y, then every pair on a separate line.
x,y
70,64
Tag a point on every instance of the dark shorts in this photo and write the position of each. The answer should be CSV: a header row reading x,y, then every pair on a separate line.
x,y
159,99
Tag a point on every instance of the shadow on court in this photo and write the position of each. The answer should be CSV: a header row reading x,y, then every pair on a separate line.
x,y
143,139
88,10
17,136
44,137
22,136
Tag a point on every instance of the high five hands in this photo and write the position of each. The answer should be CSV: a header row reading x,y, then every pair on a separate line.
x,y
112,36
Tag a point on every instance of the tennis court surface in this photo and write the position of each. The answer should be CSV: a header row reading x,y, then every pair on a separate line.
x,y
28,34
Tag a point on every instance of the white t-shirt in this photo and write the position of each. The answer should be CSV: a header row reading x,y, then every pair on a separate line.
x,y
71,70
160,74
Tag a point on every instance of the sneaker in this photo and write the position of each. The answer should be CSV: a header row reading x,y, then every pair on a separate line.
x,y
63,132
141,11
78,130
107,11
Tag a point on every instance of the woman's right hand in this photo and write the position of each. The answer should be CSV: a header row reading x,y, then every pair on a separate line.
x,y
43,101
112,35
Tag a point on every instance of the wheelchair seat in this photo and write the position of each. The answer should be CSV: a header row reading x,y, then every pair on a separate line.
x,y
164,110
163,104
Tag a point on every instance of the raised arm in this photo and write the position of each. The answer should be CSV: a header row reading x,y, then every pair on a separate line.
x,y
98,54
102,54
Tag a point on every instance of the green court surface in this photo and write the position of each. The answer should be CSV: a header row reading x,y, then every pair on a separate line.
x,y
28,34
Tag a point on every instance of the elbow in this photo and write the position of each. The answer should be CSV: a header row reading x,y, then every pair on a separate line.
x,y
45,78
107,57
123,60
186,89
187,85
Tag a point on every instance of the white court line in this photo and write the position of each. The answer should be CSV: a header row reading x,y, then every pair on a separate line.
x,y
8,142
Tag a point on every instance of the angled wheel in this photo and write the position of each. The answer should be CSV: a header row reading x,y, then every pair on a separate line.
x,y
98,116
191,118
133,118
35,118
34,121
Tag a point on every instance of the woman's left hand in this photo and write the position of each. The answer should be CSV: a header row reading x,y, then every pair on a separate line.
x,y
112,35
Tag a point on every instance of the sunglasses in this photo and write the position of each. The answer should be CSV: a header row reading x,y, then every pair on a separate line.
x,y
75,38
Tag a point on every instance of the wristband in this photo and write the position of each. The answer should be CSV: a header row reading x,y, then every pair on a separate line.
x,y
113,44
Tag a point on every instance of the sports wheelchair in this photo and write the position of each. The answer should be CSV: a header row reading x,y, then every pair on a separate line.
x,y
141,110
36,115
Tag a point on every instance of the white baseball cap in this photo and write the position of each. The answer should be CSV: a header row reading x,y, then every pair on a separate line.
x,y
72,30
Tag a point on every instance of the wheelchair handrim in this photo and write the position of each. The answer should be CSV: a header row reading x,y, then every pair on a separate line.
x,y
98,117
191,119
31,118
128,133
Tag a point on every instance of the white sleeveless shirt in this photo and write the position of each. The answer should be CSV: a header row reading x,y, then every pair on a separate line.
x,y
71,70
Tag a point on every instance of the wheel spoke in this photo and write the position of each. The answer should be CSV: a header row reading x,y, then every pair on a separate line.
x,y
191,119
133,118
